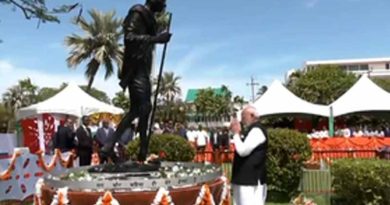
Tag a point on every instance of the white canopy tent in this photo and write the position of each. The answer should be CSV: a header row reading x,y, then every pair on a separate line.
x,y
70,101
363,96
279,100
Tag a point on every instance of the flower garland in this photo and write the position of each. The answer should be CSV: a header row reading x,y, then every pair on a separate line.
x,y
205,197
5,175
67,163
50,167
38,192
162,198
225,196
61,197
107,199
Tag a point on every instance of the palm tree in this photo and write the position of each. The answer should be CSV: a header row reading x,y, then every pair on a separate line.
x,y
226,105
99,46
21,95
121,100
169,88
238,101
262,90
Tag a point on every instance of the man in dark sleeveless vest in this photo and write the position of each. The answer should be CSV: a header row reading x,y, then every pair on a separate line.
x,y
140,37
249,166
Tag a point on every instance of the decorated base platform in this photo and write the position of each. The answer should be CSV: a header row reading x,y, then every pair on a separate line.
x,y
174,183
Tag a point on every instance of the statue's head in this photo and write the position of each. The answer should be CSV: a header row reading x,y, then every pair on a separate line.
x,y
156,5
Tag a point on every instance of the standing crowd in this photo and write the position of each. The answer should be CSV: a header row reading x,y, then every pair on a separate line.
x,y
353,131
87,138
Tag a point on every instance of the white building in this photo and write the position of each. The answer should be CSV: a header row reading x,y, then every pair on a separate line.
x,y
375,67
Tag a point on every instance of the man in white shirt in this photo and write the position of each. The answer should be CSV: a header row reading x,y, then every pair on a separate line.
x,y
347,132
249,166
202,139
191,135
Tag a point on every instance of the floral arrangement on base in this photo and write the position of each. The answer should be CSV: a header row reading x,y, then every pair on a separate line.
x,y
38,192
225,196
107,199
61,197
302,200
162,198
205,197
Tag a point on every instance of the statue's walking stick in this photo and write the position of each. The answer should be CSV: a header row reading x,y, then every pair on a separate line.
x,y
159,79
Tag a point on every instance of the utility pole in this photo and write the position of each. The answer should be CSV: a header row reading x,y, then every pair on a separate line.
x,y
253,84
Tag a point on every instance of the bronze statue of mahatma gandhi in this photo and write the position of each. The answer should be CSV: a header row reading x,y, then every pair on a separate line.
x,y
140,36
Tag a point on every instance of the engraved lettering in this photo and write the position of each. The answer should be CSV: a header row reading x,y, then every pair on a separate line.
x,y
167,182
100,185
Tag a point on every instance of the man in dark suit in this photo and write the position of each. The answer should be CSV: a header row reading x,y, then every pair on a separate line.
x,y
104,133
214,138
223,138
64,137
85,142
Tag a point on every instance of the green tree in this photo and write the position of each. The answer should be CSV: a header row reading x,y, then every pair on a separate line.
x,y
38,9
175,111
98,94
121,100
169,87
205,102
224,101
46,93
99,46
383,83
293,78
21,95
211,104
323,85
6,117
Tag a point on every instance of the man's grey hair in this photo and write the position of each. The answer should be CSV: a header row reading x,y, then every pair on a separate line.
x,y
253,110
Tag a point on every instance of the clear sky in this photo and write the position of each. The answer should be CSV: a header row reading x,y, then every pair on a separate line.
x,y
215,42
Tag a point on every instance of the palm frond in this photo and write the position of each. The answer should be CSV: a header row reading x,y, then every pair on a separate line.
x,y
99,45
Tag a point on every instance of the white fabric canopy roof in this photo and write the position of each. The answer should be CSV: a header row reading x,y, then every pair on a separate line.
x,y
364,95
279,100
71,101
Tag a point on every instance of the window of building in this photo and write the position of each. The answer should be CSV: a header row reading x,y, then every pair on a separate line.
x,y
353,67
387,66
364,67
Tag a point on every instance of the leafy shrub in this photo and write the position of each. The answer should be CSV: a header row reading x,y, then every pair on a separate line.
x,y
362,181
175,148
287,151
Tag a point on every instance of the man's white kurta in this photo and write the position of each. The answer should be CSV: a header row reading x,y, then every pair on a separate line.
x,y
249,195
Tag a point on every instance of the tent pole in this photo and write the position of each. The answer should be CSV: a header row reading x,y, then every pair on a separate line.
x,y
331,122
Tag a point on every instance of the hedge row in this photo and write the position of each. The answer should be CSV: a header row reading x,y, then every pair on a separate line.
x,y
358,181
